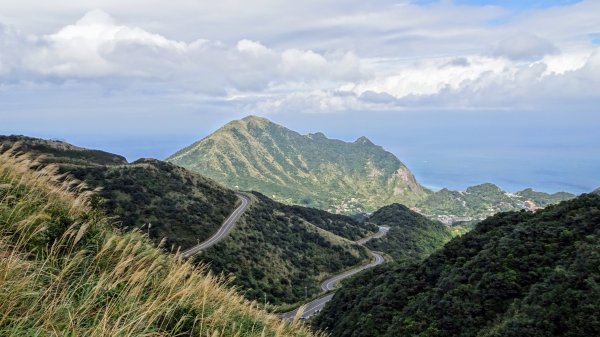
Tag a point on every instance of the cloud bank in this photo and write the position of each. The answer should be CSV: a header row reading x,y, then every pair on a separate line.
x,y
320,58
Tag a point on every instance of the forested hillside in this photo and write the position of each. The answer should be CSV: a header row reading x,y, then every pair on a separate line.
x,y
180,206
64,271
411,236
275,250
516,274
281,252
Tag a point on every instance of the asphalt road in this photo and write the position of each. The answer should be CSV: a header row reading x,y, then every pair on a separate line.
x,y
223,231
330,284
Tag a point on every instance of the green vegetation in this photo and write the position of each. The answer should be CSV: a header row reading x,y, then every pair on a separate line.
x,y
64,271
280,252
516,274
309,170
542,199
349,178
59,152
479,202
411,237
182,207
275,250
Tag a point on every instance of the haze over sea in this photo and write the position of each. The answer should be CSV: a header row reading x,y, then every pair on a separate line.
x,y
514,150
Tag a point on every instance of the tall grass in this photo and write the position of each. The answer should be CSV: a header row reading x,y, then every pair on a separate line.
x,y
64,271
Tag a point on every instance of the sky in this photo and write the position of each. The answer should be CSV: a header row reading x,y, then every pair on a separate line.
x,y
463,92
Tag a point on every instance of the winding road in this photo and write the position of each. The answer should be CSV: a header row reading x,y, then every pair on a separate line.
x,y
330,284
327,286
223,231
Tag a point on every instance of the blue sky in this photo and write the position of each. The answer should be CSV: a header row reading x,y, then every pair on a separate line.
x,y
514,4
464,92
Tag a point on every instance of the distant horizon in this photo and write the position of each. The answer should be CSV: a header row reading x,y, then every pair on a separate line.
x,y
431,172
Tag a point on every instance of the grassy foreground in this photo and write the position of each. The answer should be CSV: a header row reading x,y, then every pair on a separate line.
x,y
64,271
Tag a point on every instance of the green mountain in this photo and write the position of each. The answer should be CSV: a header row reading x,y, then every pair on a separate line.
x,y
411,236
276,251
541,199
65,271
479,202
312,170
516,274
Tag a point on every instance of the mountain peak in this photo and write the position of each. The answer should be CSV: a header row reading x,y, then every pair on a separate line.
x,y
254,118
363,140
485,187
256,154
246,123
251,120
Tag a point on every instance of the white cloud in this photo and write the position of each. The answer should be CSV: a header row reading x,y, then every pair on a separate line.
x,y
316,101
332,56
253,48
430,77
87,48
96,46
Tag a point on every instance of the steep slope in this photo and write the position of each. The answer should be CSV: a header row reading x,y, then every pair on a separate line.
x,y
181,206
411,236
65,272
479,202
275,249
280,252
256,154
515,274
165,201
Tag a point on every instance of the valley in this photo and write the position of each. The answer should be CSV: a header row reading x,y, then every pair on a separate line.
x,y
313,307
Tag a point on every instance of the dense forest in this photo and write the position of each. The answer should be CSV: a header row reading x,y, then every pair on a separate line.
x,y
411,236
516,274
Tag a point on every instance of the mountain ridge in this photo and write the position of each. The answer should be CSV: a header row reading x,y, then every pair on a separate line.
x,y
347,177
